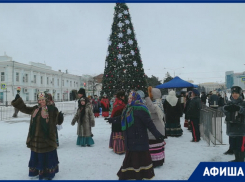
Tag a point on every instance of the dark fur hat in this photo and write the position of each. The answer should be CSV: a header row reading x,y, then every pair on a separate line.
x,y
236,89
82,91
120,94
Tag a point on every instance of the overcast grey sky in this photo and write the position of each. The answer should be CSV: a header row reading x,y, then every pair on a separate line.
x,y
206,39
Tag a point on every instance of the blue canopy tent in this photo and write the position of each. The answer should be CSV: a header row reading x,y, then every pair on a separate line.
x,y
176,82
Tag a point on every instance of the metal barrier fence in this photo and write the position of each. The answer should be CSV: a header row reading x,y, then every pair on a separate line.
x,y
65,107
211,125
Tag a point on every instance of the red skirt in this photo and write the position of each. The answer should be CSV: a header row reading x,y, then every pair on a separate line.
x,y
105,113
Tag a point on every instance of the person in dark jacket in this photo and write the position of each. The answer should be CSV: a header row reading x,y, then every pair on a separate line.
x,y
117,136
187,103
135,121
204,98
193,112
235,119
214,100
221,102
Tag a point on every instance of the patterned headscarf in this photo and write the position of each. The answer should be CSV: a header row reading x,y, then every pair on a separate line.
x,y
128,112
44,119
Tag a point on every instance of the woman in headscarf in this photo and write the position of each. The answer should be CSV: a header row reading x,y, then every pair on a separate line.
x,y
105,104
85,120
154,104
117,137
41,137
173,112
96,106
135,121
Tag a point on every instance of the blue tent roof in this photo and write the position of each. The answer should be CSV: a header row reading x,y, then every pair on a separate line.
x,y
176,82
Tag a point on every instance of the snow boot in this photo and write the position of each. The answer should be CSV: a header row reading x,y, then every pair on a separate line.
x,y
229,152
241,157
237,156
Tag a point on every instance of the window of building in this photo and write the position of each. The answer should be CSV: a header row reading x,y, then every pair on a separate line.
x,y
74,83
47,81
2,76
52,81
70,84
41,79
58,82
58,96
63,83
27,96
35,79
17,77
26,77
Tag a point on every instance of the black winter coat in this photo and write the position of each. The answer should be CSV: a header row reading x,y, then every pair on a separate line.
x,y
136,137
194,108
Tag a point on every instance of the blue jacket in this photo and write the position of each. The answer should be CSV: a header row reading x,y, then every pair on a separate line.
x,y
136,137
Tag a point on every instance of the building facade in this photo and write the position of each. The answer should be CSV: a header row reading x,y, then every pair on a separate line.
x,y
33,78
235,79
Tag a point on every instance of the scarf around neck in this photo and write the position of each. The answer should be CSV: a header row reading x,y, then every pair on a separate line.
x,y
128,112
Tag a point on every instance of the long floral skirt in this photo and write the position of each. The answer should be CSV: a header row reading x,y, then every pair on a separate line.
x,y
117,142
45,165
156,149
136,166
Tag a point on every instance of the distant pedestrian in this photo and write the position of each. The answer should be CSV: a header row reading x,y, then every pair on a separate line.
x,y
105,104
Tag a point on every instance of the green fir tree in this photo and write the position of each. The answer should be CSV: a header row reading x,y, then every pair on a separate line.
x,y
123,65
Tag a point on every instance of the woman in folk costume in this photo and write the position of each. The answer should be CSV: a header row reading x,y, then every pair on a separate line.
x,y
41,138
96,106
105,104
50,101
85,120
135,121
173,112
117,136
154,104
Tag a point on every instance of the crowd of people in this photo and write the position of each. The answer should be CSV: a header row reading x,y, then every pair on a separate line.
x,y
140,124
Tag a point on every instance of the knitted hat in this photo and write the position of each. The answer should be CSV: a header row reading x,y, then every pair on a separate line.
x,y
236,89
196,92
41,95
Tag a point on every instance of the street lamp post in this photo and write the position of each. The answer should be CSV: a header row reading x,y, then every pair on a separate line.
x,y
173,69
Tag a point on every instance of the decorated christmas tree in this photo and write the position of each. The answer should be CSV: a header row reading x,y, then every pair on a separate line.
x,y
123,65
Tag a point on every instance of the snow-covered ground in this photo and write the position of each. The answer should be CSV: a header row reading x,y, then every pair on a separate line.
x,y
99,162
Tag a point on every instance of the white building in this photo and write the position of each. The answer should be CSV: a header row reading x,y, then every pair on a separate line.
x,y
211,86
33,78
